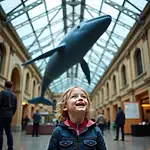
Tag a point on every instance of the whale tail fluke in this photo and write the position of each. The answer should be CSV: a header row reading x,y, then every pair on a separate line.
x,y
41,100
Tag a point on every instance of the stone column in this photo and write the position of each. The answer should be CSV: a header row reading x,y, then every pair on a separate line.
x,y
149,92
16,122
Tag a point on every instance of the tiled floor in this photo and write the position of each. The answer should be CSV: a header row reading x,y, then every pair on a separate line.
x,y
27,142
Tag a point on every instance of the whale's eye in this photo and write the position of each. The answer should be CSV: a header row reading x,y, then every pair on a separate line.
x,y
78,27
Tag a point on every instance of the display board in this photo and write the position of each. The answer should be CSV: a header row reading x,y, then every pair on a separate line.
x,y
131,110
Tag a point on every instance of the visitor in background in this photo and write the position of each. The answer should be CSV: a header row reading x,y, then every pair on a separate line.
x,y
8,106
76,130
25,121
101,121
36,124
120,122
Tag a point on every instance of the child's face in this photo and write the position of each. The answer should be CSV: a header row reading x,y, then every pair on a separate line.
x,y
77,101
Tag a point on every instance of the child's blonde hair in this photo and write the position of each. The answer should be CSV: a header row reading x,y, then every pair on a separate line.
x,y
61,113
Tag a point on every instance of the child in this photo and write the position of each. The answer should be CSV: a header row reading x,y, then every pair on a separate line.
x,y
76,131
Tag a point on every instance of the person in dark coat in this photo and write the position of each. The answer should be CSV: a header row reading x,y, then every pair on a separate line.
x,y
36,124
120,122
8,106
25,121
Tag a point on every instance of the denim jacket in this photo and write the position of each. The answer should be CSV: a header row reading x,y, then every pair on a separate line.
x,y
64,137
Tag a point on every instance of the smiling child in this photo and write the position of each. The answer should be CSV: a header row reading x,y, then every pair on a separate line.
x,y
76,131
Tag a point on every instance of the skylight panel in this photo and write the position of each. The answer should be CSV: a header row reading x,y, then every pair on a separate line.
x,y
57,27
34,47
100,71
139,3
19,19
78,9
132,8
95,3
119,2
38,63
126,19
117,41
69,22
36,11
58,15
40,23
28,41
101,42
109,55
87,15
112,48
48,48
92,65
52,16
96,77
121,31
24,30
94,57
45,40
106,57
28,2
105,36
68,9
36,54
7,6
110,10
51,4
45,33
99,50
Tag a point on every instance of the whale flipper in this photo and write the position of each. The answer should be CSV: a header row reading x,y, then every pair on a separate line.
x,y
45,55
86,70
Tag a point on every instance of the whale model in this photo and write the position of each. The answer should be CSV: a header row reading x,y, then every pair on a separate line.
x,y
71,51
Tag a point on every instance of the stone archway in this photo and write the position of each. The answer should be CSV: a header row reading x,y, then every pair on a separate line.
x,y
15,78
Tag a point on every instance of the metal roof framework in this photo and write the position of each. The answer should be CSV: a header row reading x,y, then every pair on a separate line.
x,y
42,24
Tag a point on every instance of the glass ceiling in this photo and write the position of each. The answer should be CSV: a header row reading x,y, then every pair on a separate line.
x,y
42,24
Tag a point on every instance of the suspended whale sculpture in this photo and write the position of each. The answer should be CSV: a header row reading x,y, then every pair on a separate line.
x,y
71,51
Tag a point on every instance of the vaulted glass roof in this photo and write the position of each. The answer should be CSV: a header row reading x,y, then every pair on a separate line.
x,y
42,24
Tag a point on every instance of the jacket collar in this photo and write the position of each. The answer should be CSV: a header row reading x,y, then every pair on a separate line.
x,y
66,123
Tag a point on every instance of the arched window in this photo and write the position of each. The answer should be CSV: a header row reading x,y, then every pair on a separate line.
x,y
123,72
1,56
138,62
107,90
33,89
114,84
27,82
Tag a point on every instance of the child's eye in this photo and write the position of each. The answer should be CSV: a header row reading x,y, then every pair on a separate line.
x,y
74,96
84,96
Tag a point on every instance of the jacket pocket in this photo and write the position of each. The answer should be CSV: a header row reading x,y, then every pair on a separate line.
x,y
66,145
90,144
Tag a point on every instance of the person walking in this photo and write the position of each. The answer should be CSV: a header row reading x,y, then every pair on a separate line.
x,y
101,121
36,124
8,106
120,122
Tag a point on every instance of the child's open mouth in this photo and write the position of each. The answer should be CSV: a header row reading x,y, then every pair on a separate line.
x,y
80,104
